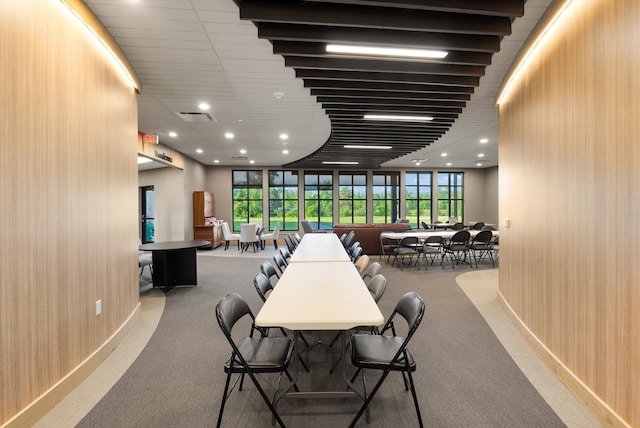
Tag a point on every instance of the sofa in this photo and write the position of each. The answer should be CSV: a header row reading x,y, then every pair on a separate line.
x,y
369,234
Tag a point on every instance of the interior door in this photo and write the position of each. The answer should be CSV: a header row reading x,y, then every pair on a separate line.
x,y
147,225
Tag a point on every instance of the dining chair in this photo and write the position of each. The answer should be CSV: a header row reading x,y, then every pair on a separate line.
x,y
457,248
144,259
478,225
372,270
353,247
228,236
425,226
389,353
248,236
457,226
356,253
362,263
273,235
386,247
406,248
432,246
349,239
481,246
269,270
251,355
286,255
280,263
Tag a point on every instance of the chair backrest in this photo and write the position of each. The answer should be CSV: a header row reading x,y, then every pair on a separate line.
x,y
226,233
306,226
286,255
269,270
276,231
484,236
408,241
457,226
425,226
376,287
478,226
411,308
263,285
248,232
372,270
297,238
361,263
349,239
352,248
229,310
355,254
291,244
342,238
452,220
488,227
280,263
460,237
433,240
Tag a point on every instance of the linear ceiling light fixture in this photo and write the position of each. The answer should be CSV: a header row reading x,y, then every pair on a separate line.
x,y
397,118
388,52
339,163
350,146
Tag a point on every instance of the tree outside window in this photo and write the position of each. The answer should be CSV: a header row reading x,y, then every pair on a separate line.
x,y
283,199
318,199
353,198
247,197
450,196
418,198
386,197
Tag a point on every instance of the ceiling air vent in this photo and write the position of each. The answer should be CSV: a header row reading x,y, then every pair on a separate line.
x,y
242,158
194,117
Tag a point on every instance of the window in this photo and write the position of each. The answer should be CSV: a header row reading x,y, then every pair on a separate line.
x,y
247,197
318,199
386,200
283,200
418,198
353,198
450,199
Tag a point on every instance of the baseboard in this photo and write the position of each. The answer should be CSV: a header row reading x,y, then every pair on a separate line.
x,y
47,401
601,411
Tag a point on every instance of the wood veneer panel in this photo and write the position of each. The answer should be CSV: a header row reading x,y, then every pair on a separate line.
x,y
569,183
68,188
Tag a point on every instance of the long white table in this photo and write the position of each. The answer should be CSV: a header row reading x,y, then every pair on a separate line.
x,y
320,247
320,296
424,234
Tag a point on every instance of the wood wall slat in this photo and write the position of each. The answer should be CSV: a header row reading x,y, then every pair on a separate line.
x,y
68,190
570,185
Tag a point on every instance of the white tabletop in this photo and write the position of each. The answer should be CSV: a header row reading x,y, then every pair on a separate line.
x,y
424,234
320,247
320,296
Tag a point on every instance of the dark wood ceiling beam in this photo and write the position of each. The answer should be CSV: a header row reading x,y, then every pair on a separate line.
x,y
434,107
382,86
512,8
377,37
384,95
382,65
318,50
383,107
362,76
372,17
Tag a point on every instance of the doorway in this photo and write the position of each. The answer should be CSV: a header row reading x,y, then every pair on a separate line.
x,y
147,225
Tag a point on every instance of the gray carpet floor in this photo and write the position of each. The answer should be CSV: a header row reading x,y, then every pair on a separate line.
x,y
465,378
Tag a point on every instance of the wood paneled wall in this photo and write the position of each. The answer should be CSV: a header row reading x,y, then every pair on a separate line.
x,y
68,223
570,186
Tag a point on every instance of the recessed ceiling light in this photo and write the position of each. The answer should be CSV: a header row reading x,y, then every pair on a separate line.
x,y
278,94
480,155
216,161
252,161
367,147
339,163
418,163
478,164
397,117
203,106
418,160
239,120
385,51
173,134
444,155
285,152
142,159
284,136
484,140
243,151
448,163
199,150
229,135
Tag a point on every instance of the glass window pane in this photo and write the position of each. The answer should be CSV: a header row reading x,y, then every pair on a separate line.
x,y
379,192
326,180
291,193
310,180
275,178
411,179
360,192
425,178
345,180
291,178
360,180
411,192
345,212
255,178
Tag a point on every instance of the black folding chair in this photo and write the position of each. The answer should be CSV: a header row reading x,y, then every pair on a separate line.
x,y
457,248
269,270
251,355
482,246
280,262
389,353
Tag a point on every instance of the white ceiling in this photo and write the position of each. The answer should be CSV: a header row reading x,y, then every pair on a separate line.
x,y
191,51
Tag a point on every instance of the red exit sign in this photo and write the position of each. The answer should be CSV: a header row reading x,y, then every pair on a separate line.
x,y
150,139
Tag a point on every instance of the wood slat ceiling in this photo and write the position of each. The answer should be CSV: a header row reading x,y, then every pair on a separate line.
x,y
348,87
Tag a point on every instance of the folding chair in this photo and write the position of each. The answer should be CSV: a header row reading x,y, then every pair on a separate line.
x,y
251,355
389,353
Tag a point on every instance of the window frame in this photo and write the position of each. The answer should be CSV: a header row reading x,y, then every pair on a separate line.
x,y
318,201
283,200
388,199
451,189
248,187
418,198
352,199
